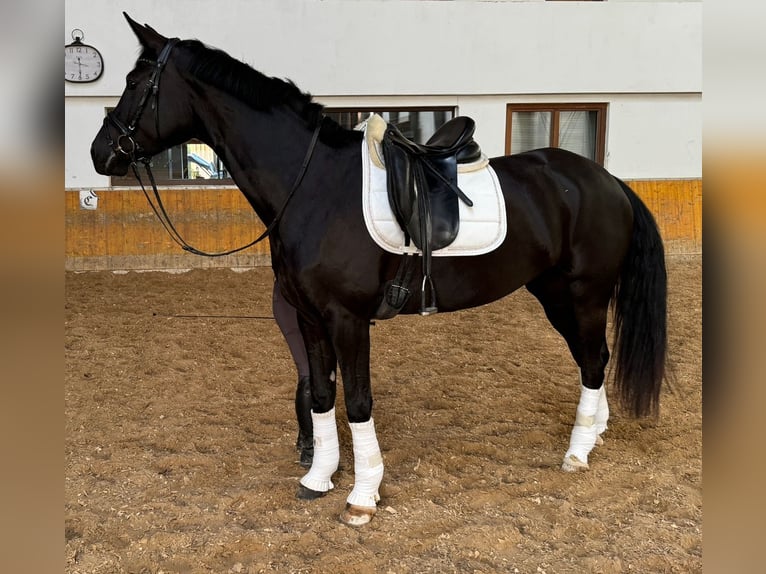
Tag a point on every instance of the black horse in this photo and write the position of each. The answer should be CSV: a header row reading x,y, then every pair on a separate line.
x,y
578,238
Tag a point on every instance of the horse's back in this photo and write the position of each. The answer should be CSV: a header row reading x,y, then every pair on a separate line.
x,y
557,171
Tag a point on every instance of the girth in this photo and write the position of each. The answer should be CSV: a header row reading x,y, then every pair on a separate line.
x,y
423,192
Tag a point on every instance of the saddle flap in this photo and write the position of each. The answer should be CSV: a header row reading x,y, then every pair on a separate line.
x,y
420,190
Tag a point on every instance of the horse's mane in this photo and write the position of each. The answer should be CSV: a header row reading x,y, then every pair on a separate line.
x,y
216,68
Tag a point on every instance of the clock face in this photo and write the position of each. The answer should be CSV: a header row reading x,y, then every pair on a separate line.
x,y
82,63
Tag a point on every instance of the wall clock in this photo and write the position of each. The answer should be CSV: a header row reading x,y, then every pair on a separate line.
x,y
82,63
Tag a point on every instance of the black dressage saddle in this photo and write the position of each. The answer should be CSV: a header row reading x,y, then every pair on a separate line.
x,y
423,192
422,181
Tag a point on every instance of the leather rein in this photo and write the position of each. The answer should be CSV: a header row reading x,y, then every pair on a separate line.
x,y
126,145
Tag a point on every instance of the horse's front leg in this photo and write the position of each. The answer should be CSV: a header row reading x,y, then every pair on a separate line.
x,y
351,338
326,450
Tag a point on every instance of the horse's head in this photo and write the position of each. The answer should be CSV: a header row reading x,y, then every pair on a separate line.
x,y
152,114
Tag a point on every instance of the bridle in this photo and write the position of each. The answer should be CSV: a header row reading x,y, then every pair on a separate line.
x,y
152,90
127,146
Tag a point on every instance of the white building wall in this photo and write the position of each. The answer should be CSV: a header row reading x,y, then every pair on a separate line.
x,y
644,58
655,136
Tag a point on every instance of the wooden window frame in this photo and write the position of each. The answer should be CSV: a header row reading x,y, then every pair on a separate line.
x,y
556,108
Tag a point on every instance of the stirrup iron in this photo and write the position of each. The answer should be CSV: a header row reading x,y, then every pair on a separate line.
x,y
430,309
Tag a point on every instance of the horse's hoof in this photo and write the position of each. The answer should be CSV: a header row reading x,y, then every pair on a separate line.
x,y
354,515
573,464
308,494
599,440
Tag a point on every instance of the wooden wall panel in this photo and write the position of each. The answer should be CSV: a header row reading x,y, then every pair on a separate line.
x,y
124,233
677,206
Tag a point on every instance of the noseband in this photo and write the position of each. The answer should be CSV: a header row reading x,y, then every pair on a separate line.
x,y
125,144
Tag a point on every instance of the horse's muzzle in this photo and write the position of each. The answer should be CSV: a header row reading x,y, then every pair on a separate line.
x,y
105,160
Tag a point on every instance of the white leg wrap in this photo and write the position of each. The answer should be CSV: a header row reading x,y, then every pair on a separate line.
x,y
602,412
584,432
326,452
368,465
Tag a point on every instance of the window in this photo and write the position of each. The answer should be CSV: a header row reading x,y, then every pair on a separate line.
x,y
188,164
580,128
194,163
417,124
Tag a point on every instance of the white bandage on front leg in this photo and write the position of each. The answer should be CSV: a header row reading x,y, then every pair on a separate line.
x,y
584,432
368,465
326,452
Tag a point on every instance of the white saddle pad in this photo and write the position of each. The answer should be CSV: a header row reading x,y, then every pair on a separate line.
x,y
482,227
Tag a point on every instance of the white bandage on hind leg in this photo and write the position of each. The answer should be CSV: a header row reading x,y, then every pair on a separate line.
x,y
368,465
602,412
584,433
326,452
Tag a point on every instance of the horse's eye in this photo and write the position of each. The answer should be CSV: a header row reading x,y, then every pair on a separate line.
x,y
132,84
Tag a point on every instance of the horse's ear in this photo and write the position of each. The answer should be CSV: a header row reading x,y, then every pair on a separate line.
x,y
147,35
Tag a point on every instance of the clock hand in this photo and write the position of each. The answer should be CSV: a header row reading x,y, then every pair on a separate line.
x,y
80,62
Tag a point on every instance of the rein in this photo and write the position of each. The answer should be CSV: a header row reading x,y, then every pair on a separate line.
x,y
126,135
162,215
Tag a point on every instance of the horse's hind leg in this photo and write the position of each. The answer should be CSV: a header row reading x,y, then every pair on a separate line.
x,y
579,313
592,410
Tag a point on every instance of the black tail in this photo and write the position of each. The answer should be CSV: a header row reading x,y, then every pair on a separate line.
x,y
640,315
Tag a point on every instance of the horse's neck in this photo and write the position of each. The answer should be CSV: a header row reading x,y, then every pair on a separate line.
x,y
263,152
